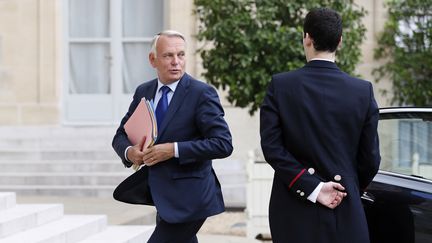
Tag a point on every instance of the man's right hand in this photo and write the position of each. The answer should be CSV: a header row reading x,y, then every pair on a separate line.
x,y
331,194
134,153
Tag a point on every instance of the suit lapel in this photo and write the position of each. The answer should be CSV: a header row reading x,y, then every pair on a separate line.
x,y
176,101
149,94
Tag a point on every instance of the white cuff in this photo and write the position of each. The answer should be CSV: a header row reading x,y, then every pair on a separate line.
x,y
125,154
176,153
314,195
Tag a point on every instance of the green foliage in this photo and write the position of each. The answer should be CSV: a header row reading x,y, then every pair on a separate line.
x,y
406,44
249,40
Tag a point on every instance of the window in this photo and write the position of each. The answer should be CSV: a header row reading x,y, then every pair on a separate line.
x,y
107,46
406,143
89,47
139,26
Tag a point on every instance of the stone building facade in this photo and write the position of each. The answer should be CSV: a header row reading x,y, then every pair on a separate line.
x,y
43,41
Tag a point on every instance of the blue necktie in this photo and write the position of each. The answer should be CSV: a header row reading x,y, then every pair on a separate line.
x,y
162,105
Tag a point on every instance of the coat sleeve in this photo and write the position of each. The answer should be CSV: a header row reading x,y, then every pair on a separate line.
x,y
368,155
215,139
120,141
292,172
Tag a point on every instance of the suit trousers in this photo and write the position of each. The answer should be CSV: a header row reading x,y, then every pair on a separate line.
x,y
175,233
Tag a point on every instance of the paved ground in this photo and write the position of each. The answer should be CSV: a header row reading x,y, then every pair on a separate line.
x,y
228,227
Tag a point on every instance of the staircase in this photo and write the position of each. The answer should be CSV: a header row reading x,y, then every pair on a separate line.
x,y
46,223
59,161
80,162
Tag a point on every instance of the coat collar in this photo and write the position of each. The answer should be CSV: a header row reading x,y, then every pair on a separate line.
x,y
321,64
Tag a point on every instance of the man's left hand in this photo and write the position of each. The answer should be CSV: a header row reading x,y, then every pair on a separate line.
x,y
158,153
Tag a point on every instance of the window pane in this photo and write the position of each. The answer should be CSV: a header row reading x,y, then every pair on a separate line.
x,y
421,141
89,18
405,146
136,66
389,144
429,146
89,69
142,18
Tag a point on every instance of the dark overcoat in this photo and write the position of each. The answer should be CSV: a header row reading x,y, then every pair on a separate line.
x,y
319,124
185,189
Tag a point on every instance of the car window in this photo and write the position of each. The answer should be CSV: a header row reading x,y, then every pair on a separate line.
x,y
406,143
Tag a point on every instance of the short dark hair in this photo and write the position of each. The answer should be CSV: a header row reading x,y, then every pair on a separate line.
x,y
324,26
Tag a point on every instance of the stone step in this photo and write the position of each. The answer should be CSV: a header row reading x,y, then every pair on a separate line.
x,y
228,164
54,190
54,166
88,178
42,168
234,194
63,179
7,200
97,178
84,165
26,132
58,154
68,229
26,216
55,143
231,177
122,234
46,137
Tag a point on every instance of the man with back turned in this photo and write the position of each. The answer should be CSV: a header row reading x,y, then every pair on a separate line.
x,y
319,133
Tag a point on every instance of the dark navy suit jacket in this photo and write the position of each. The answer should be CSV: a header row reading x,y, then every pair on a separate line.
x,y
319,124
186,188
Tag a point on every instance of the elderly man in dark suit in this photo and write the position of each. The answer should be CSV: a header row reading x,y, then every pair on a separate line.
x,y
191,132
319,133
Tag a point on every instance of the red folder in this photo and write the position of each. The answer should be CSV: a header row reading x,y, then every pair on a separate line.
x,y
142,125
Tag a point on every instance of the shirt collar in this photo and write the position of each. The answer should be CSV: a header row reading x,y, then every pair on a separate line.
x,y
321,59
172,86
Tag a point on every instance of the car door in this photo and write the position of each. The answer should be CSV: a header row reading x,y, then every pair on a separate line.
x,y
398,203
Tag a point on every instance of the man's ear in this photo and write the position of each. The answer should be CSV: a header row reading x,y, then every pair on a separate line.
x,y
152,59
340,43
307,40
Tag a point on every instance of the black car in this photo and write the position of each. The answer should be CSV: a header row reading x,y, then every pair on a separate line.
x,y
398,203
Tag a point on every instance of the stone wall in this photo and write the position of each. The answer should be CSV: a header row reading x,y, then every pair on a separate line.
x,y
29,88
31,78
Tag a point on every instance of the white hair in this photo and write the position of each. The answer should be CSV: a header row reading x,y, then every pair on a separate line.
x,y
169,33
